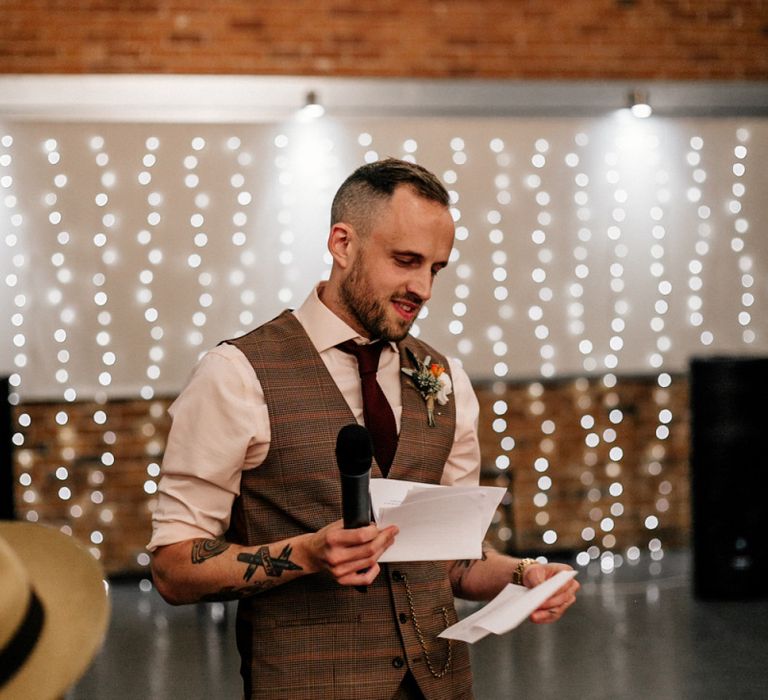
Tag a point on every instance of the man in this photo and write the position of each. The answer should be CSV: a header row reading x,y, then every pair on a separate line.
x,y
250,496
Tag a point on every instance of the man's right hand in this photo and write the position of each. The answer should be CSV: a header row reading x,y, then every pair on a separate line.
x,y
350,556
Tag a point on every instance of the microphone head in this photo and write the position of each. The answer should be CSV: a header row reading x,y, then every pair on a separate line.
x,y
354,450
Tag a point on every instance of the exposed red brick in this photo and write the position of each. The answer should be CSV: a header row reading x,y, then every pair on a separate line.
x,y
548,39
136,431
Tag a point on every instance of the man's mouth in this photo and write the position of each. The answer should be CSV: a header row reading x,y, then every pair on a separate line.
x,y
406,309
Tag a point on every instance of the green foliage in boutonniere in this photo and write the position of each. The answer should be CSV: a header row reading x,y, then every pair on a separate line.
x,y
432,382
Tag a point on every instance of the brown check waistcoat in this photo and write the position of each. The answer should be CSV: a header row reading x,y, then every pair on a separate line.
x,y
312,638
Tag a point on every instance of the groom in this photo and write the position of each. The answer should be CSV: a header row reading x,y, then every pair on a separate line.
x,y
250,497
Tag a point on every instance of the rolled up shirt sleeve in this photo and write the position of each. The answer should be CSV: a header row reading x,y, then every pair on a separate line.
x,y
463,465
219,427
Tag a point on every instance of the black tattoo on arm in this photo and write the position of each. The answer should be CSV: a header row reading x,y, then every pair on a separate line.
x,y
459,569
272,566
234,593
207,549
204,549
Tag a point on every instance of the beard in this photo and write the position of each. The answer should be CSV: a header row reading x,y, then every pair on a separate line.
x,y
371,312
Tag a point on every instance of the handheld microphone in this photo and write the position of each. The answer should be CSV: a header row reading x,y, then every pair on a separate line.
x,y
354,452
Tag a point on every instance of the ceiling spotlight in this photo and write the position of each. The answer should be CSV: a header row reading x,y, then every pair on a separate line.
x,y
312,108
639,104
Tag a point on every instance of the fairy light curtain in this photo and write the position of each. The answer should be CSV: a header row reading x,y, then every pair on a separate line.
x,y
584,247
610,245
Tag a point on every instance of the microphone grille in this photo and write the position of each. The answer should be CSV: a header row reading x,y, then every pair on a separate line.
x,y
354,450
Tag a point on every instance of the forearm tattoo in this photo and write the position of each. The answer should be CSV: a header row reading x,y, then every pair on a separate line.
x,y
273,566
234,593
203,550
460,568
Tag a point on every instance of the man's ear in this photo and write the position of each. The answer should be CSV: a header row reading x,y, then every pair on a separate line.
x,y
343,242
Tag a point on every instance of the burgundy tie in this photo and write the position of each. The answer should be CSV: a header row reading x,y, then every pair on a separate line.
x,y
377,413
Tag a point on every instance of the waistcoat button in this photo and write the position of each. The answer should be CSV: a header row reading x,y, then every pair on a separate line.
x,y
397,576
403,618
398,662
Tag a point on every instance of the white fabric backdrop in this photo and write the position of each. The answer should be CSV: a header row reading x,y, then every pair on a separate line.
x,y
585,246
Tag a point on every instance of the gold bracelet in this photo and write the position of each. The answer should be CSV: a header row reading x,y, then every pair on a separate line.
x,y
517,574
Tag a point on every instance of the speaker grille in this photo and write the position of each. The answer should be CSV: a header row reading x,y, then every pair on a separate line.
x,y
729,424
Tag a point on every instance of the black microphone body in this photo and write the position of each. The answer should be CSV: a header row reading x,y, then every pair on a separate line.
x,y
355,500
354,453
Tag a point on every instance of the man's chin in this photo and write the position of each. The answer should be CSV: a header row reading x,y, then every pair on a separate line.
x,y
389,327
397,332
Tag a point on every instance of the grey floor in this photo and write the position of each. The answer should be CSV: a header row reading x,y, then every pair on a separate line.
x,y
635,633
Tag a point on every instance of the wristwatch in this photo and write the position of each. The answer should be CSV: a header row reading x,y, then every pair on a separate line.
x,y
517,574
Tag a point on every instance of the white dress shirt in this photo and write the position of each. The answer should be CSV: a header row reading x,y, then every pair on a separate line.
x,y
221,427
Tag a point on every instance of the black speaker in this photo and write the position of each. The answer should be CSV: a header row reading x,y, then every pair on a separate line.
x,y
729,419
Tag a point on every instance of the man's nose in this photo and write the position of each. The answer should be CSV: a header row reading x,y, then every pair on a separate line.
x,y
420,284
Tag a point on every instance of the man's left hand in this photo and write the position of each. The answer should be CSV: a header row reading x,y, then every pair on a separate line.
x,y
553,608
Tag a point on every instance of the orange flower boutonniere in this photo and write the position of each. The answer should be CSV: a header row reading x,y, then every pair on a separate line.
x,y
432,382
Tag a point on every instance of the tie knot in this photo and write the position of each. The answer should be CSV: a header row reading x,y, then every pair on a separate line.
x,y
367,355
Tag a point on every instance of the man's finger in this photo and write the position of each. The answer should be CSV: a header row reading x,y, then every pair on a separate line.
x,y
360,577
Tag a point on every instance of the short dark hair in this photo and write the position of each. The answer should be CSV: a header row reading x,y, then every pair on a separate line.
x,y
376,182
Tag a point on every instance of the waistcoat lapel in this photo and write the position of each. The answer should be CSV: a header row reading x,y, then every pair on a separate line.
x,y
422,450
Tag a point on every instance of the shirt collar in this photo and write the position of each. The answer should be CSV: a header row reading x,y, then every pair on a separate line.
x,y
324,328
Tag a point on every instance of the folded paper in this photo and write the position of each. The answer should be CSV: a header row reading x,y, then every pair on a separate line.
x,y
435,522
507,610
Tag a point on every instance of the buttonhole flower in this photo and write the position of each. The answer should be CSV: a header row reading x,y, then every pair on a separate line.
x,y
432,382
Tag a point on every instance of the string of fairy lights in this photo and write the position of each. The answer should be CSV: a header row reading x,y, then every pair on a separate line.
x,y
578,330
615,467
504,311
533,289
237,276
60,334
14,251
661,396
284,222
151,257
105,240
495,334
740,238
537,314
575,288
462,266
695,303
145,293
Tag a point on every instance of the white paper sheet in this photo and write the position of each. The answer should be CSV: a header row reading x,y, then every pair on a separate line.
x,y
507,610
436,522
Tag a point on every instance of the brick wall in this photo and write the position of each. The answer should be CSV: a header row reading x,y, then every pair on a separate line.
x,y
541,39
574,426
91,468
92,474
